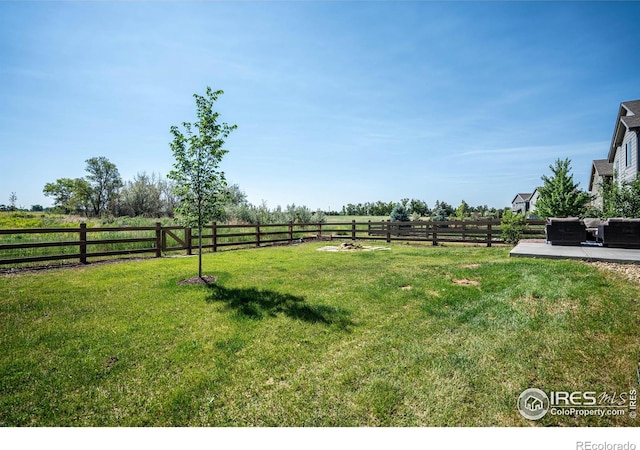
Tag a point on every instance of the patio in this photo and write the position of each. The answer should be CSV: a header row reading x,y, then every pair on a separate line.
x,y
583,252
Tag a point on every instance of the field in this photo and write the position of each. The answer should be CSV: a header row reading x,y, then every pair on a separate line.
x,y
338,219
28,240
290,336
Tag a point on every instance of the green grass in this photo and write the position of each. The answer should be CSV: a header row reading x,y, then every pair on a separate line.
x,y
290,336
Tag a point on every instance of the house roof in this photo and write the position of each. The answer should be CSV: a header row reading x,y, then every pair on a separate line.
x,y
524,197
603,167
633,106
629,118
600,167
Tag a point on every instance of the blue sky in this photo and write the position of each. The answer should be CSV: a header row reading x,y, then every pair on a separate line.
x,y
335,102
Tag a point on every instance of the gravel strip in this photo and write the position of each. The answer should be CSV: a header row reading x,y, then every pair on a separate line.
x,y
629,271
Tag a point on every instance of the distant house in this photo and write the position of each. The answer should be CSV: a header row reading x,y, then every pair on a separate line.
x,y
601,172
534,198
521,204
623,153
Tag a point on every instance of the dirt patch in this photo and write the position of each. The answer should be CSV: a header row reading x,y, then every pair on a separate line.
x,y
65,265
406,288
204,279
350,247
111,362
465,282
532,303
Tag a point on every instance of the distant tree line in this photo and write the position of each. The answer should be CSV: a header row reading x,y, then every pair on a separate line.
x,y
103,193
417,209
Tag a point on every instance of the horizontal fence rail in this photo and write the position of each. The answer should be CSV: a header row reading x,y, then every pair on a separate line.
x,y
22,246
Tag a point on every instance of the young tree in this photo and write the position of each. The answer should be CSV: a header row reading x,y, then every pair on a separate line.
x,y
440,214
13,198
512,226
105,184
462,211
559,195
199,183
399,214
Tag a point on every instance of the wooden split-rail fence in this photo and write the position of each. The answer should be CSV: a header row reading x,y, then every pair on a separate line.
x,y
39,245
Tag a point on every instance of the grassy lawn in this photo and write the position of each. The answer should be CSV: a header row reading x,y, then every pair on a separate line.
x,y
289,336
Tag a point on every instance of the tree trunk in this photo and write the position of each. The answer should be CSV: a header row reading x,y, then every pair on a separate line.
x,y
200,251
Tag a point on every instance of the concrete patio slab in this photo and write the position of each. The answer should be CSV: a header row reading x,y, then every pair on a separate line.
x,y
583,252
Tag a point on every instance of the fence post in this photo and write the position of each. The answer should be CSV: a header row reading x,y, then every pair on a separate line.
x,y
319,230
435,234
290,231
187,239
214,236
369,228
158,240
353,230
464,227
83,243
258,234
388,231
489,237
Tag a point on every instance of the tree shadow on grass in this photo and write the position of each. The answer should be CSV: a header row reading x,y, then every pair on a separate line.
x,y
258,304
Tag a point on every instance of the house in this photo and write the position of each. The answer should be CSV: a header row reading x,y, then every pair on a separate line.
x,y
521,204
623,152
532,201
601,172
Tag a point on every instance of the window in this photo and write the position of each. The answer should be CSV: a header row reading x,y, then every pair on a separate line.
x,y
628,148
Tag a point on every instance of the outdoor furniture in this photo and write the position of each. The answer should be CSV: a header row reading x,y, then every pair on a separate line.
x,y
623,233
565,231
592,226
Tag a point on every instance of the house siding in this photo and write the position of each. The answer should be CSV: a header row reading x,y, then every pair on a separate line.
x,y
532,204
627,173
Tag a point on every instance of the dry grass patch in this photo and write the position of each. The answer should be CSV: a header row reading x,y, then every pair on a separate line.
x,y
466,282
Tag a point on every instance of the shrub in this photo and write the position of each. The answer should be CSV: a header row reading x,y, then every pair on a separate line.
x,y
440,214
512,226
559,195
399,214
620,201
